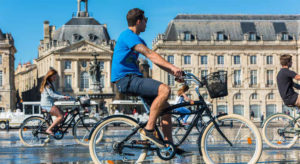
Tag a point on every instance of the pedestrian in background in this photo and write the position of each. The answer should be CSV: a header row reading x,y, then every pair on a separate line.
x,y
262,117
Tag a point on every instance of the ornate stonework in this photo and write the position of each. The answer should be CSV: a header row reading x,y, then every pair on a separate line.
x,y
7,84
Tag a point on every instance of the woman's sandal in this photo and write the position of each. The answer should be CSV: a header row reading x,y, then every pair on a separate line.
x,y
50,134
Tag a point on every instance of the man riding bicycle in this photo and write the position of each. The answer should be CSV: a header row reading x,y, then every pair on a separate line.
x,y
285,82
128,79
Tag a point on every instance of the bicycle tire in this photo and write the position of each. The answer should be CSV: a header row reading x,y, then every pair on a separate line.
x,y
213,146
113,126
81,133
274,128
31,135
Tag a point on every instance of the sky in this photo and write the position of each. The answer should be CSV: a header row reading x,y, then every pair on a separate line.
x,y
24,18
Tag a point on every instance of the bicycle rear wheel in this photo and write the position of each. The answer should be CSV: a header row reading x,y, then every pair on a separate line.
x,y
242,133
114,129
279,132
32,131
82,129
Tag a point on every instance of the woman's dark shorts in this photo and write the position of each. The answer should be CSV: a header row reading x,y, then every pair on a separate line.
x,y
134,84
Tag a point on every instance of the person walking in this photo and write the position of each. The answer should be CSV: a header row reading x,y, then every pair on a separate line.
x,y
262,117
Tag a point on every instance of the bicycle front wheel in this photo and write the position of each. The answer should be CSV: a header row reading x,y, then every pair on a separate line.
x,y
279,131
243,135
113,130
32,131
82,129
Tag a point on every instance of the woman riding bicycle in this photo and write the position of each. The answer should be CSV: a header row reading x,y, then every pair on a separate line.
x,y
181,97
48,95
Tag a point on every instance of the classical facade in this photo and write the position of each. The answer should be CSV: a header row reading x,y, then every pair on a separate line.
x,y
26,82
7,85
69,50
248,47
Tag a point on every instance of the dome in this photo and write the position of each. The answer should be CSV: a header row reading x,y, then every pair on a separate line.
x,y
82,28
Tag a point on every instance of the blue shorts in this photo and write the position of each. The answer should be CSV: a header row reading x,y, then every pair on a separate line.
x,y
47,108
134,84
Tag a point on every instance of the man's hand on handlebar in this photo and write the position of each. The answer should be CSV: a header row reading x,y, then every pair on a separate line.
x,y
178,73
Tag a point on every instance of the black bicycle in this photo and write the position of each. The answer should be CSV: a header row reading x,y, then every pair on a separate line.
x,y
120,137
33,129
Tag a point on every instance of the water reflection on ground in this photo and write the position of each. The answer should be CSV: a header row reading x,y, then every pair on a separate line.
x,y
67,151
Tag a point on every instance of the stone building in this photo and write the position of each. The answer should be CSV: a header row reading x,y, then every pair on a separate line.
x,y
26,82
248,47
69,50
7,85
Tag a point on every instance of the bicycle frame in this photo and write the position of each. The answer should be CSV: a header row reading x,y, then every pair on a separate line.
x,y
72,113
198,113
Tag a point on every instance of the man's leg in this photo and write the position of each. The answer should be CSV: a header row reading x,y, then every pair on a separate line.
x,y
157,105
167,124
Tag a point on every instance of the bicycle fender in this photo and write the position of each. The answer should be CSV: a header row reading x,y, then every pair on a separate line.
x,y
202,131
106,118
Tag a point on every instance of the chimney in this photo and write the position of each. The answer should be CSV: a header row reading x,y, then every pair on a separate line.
x,y
46,32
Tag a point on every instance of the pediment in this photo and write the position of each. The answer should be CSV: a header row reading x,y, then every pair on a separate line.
x,y
84,46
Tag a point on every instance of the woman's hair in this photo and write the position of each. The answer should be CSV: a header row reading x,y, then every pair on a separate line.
x,y
285,59
50,73
182,90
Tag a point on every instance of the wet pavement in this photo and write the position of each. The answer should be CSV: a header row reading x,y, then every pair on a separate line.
x,y
68,151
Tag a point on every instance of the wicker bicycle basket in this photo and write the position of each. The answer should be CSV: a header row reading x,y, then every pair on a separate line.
x,y
216,84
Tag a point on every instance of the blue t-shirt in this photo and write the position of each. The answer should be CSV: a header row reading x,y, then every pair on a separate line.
x,y
124,60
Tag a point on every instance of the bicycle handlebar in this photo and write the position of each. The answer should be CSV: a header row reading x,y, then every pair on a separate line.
x,y
193,78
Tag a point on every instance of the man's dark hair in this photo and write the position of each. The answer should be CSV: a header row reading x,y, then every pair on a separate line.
x,y
285,59
133,15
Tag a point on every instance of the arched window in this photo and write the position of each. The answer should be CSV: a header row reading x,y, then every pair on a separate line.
x,y
256,109
238,109
221,109
254,96
270,96
92,37
77,37
271,109
84,80
238,96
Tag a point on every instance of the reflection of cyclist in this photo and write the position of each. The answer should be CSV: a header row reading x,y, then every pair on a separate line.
x,y
180,99
128,79
285,82
48,95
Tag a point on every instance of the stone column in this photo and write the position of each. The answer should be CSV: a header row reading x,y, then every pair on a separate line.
x,y
60,73
247,105
76,77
